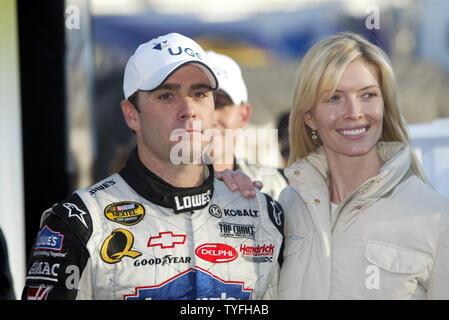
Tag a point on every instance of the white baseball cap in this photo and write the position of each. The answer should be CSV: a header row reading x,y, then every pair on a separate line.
x,y
154,61
229,76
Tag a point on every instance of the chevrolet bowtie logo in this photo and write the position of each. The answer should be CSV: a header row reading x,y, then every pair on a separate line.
x,y
167,240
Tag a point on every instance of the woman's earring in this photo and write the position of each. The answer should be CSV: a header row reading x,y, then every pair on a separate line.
x,y
314,137
380,145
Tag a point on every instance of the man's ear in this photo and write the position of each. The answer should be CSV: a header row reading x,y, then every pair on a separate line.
x,y
131,115
245,114
310,122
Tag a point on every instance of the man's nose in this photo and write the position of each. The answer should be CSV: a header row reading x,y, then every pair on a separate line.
x,y
187,110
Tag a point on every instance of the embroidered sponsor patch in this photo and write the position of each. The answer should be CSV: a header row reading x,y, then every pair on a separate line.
x,y
118,245
216,252
259,253
47,239
232,230
215,211
185,203
39,292
166,240
127,213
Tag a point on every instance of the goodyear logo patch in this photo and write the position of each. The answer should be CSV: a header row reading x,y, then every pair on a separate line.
x,y
127,213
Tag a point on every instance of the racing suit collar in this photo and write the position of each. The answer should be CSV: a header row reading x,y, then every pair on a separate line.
x,y
156,190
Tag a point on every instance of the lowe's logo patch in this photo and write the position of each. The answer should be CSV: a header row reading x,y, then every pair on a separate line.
x,y
49,240
194,283
191,202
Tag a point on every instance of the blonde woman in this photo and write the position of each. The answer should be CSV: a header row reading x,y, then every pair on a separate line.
x,y
362,222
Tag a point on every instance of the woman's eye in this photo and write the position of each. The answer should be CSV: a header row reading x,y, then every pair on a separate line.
x,y
333,98
369,95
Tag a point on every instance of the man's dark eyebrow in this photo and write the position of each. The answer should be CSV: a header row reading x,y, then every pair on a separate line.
x,y
175,86
168,86
200,86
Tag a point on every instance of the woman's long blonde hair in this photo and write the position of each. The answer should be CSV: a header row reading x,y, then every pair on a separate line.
x,y
322,68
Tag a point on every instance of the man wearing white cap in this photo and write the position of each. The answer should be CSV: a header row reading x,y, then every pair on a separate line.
x,y
157,229
232,113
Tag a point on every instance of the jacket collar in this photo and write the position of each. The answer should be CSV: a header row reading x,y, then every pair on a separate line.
x,y
154,189
310,175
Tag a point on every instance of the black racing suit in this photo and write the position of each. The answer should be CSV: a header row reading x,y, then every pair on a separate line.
x,y
134,236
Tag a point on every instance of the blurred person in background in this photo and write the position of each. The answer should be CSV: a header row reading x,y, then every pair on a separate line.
x,y
6,283
232,114
160,229
362,221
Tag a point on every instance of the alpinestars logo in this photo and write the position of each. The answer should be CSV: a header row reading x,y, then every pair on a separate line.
x,y
193,284
74,211
277,212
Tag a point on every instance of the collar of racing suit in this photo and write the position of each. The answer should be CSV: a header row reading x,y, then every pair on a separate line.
x,y
150,186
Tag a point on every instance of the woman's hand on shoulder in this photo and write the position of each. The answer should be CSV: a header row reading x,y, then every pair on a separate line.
x,y
238,180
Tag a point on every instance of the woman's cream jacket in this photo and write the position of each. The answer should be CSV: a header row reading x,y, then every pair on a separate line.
x,y
390,240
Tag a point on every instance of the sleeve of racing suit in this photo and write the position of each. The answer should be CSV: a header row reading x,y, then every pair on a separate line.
x,y
59,256
276,214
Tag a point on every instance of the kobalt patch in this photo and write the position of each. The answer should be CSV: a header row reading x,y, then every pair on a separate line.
x,y
215,211
241,213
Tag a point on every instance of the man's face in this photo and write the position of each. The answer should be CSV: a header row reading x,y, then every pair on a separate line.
x,y
228,116
185,97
